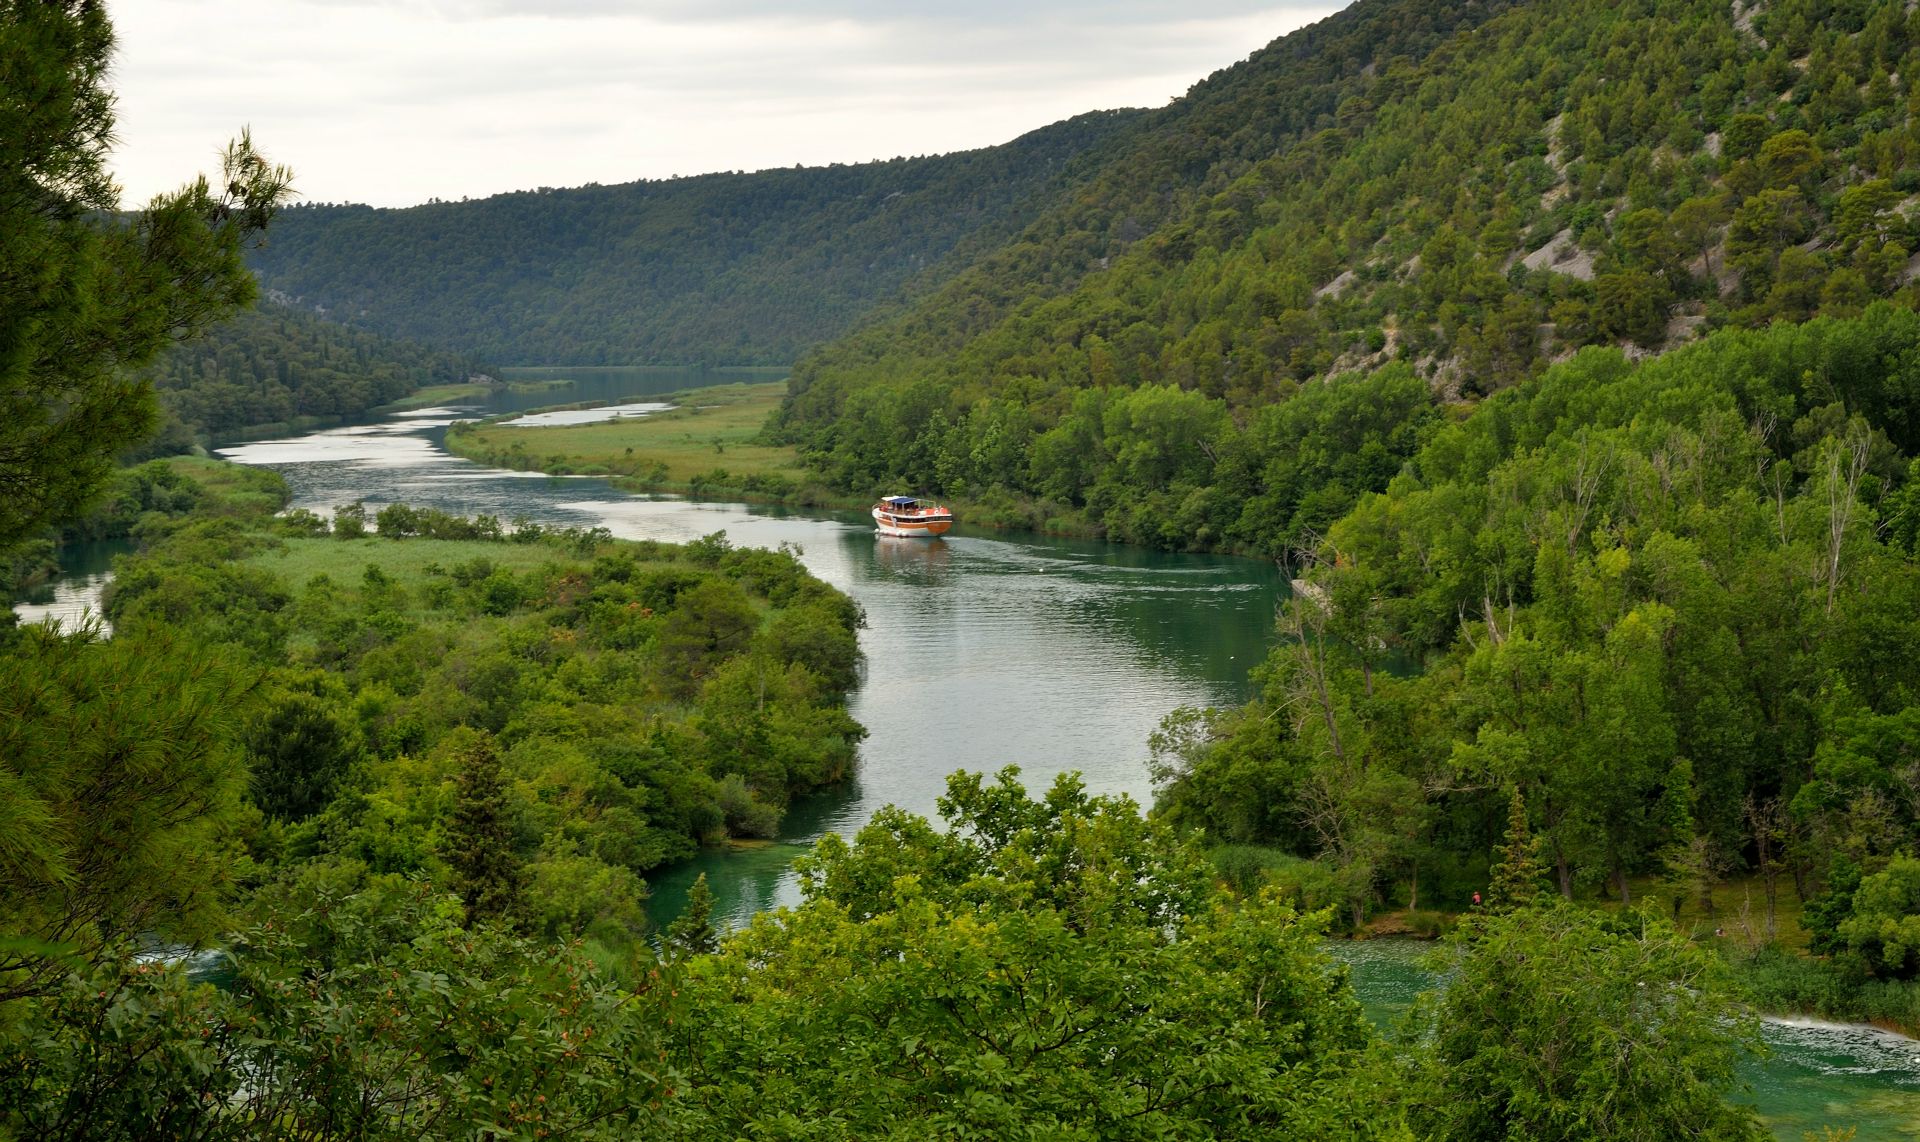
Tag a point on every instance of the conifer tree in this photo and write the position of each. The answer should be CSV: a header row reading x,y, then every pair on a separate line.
x,y
87,292
1518,871
479,841
692,934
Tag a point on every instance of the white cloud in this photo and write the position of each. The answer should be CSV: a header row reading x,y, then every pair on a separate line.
x,y
393,103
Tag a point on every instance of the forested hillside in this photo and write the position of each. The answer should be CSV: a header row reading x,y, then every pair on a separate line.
x,y
277,364
733,269
1553,176
1672,605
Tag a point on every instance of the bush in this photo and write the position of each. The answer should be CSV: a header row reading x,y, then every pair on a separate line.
x,y
1308,885
746,815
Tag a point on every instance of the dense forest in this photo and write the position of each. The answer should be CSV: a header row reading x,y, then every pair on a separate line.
x,y
1564,351
405,774
1550,177
1671,606
276,364
719,269
640,698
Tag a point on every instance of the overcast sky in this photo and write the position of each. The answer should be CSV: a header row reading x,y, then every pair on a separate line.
x,y
394,102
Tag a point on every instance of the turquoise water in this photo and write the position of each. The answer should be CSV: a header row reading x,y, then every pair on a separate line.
x,y
1814,1075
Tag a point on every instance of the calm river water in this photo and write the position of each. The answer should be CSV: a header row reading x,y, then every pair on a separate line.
x,y
988,649
983,649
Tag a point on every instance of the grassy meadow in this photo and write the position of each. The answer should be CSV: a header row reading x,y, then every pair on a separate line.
x,y
408,563
436,395
708,439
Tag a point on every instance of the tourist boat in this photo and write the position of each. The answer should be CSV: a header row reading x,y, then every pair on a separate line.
x,y
906,516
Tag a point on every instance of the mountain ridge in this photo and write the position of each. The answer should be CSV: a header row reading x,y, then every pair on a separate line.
x,y
717,269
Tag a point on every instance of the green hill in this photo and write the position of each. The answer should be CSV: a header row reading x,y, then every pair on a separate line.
x,y
1546,176
275,364
721,268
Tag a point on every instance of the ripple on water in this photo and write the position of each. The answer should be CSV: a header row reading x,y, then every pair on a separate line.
x,y
1845,1049
68,604
1818,1075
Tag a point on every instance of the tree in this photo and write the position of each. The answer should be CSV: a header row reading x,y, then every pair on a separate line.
x,y
118,780
692,933
302,751
1562,1023
86,294
1517,871
479,838
348,1014
1630,305
1884,925
1695,222
1052,968
710,620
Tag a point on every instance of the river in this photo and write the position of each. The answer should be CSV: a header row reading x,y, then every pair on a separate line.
x,y
982,649
986,649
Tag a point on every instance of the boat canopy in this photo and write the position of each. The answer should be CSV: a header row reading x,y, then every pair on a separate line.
x,y
900,501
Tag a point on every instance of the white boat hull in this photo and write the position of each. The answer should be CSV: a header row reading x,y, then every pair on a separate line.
x,y
912,525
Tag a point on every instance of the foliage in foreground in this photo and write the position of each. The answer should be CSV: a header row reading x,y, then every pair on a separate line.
x,y
374,1016
1060,968
86,292
120,779
1560,1023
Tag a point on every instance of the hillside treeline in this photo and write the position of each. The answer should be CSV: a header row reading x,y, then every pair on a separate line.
x,y
1672,604
730,269
274,364
1553,177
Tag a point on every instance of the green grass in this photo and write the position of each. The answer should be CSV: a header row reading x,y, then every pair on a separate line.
x,y
237,486
713,428
1739,910
437,394
404,560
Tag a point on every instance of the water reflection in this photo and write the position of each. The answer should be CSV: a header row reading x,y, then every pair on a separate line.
x,y
566,416
72,599
924,562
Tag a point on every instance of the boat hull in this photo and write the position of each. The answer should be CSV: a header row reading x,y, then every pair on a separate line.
x,y
911,526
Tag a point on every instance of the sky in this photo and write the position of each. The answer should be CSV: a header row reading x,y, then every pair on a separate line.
x,y
394,102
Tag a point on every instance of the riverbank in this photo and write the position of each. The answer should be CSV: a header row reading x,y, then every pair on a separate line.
x,y
711,446
1768,959
434,395
708,444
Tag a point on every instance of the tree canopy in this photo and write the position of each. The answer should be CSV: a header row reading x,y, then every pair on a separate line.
x,y
86,294
1050,968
